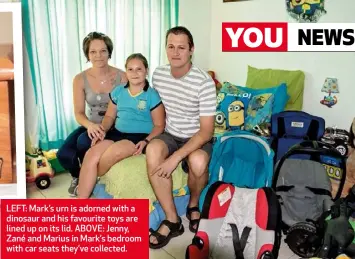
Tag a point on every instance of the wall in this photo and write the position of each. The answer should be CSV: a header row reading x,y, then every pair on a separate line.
x,y
317,66
196,16
6,28
204,19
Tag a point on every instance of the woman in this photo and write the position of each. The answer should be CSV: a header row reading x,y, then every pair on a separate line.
x,y
140,117
91,87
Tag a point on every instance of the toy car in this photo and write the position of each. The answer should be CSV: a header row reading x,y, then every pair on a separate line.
x,y
39,170
338,138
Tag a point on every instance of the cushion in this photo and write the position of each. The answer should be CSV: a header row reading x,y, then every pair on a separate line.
x,y
280,94
259,110
266,78
128,179
261,104
231,110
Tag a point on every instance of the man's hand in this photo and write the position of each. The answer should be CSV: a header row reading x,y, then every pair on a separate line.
x,y
167,167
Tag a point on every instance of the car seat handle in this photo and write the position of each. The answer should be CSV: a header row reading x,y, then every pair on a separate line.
x,y
316,144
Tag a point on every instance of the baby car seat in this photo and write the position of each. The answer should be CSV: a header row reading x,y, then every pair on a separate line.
x,y
237,223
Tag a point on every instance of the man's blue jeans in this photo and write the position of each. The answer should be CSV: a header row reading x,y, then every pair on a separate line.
x,y
73,150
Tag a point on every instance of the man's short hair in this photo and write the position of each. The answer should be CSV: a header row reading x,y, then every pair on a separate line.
x,y
180,30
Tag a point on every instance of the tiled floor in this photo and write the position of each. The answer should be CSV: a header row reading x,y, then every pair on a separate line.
x,y
175,249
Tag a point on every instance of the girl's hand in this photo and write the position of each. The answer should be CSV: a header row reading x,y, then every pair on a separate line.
x,y
140,145
96,131
96,140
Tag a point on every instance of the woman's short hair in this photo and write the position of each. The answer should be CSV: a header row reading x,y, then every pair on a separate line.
x,y
137,56
97,36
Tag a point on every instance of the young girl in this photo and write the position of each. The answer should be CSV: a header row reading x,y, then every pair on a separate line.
x,y
138,114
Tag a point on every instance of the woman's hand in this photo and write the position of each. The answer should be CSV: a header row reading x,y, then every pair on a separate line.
x,y
96,131
140,145
96,140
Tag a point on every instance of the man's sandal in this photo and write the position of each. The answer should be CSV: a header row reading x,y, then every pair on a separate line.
x,y
176,229
193,222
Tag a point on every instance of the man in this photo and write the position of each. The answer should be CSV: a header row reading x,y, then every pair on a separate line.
x,y
189,96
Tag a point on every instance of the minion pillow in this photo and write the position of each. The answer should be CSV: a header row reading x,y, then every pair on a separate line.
x,y
231,111
259,105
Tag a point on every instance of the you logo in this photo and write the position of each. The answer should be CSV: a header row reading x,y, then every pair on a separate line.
x,y
254,37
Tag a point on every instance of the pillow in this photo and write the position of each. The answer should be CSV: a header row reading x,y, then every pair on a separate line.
x,y
280,94
231,110
259,110
261,103
294,80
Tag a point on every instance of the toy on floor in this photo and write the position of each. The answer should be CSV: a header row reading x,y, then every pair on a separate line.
x,y
38,170
51,155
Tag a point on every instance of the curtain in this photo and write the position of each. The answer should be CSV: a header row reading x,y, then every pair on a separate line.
x,y
53,33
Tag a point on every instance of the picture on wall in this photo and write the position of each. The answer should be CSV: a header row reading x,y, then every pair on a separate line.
x,y
306,10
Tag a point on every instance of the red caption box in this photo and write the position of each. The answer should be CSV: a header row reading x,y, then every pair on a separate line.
x,y
58,228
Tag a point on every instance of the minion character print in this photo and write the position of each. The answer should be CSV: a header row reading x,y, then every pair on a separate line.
x,y
258,103
236,114
220,98
230,115
220,122
306,10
